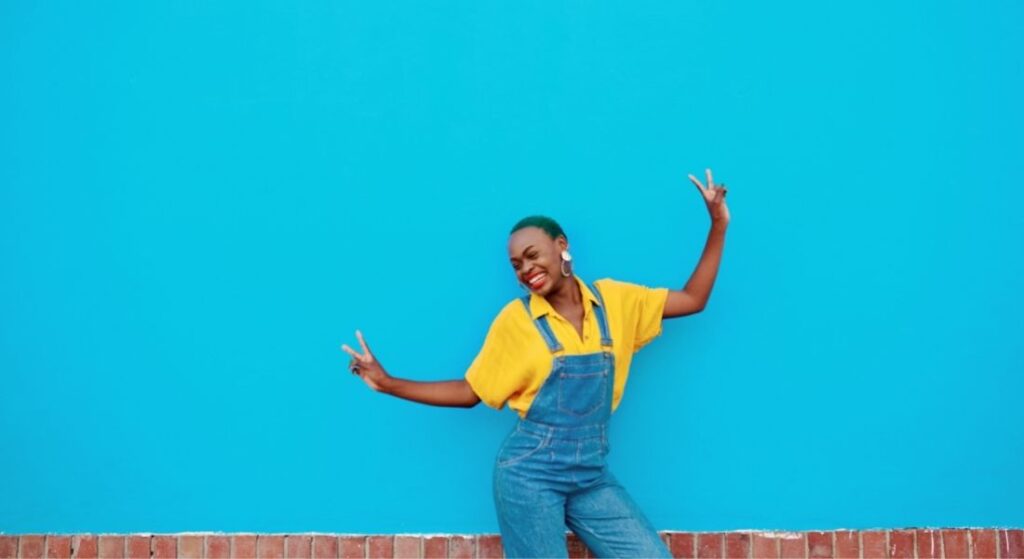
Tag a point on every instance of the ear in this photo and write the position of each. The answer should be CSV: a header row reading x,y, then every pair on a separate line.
x,y
562,243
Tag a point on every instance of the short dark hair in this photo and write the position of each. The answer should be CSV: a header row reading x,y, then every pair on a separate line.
x,y
550,226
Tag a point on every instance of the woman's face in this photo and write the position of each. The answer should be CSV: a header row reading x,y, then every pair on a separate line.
x,y
536,259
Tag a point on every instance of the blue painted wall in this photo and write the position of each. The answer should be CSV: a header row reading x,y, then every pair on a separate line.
x,y
199,202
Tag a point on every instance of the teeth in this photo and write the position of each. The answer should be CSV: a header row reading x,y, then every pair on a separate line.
x,y
536,279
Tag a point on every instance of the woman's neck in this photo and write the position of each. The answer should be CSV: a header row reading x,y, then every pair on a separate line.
x,y
568,295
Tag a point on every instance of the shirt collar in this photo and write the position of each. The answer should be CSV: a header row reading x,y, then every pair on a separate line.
x,y
540,306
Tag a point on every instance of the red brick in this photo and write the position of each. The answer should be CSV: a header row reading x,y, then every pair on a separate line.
x,y
710,545
954,544
435,547
243,546
269,547
737,545
765,546
921,543
1011,544
325,547
137,547
298,546
164,547
682,545
847,544
32,546
58,547
407,547
378,547
85,546
983,544
793,545
461,547
929,544
875,544
575,546
111,547
489,547
819,545
352,547
190,547
218,547
8,547
901,544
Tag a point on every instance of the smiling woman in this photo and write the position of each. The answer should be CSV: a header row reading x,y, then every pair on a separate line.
x,y
515,362
560,357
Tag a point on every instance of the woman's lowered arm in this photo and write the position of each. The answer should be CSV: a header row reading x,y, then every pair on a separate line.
x,y
451,393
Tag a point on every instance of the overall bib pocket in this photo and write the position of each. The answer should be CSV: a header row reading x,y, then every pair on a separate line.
x,y
520,445
582,393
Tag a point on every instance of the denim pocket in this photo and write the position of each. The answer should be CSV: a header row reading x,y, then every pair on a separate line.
x,y
582,393
520,445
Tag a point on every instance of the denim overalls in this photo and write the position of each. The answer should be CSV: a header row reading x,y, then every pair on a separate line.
x,y
550,471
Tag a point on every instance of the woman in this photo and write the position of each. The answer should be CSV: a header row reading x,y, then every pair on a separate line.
x,y
560,356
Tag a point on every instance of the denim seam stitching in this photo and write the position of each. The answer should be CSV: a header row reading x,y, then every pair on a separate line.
x,y
543,445
590,410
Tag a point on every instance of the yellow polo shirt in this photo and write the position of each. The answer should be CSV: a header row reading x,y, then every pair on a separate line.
x,y
514,361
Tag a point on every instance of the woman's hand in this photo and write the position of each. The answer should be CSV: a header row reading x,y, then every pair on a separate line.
x,y
714,197
366,366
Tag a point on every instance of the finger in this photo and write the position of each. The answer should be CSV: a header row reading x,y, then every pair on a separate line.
x,y
697,182
362,342
352,352
711,183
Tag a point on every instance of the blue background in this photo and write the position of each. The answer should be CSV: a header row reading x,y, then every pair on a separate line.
x,y
201,201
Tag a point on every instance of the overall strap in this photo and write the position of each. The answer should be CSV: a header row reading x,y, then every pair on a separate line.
x,y
602,319
543,327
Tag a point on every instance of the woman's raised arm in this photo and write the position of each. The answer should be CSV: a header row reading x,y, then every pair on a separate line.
x,y
693,297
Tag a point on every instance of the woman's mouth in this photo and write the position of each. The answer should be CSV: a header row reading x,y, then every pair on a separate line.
x,y
537,280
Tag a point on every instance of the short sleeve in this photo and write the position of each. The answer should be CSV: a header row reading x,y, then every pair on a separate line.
x,y
491,374
642,309
650,308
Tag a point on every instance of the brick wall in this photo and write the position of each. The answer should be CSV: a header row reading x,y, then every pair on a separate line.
x,y
973,543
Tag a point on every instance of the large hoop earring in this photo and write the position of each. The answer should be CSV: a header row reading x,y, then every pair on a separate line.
x,y
566,258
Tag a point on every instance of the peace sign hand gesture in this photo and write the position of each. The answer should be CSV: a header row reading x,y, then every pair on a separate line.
x,y
714,197
366,365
